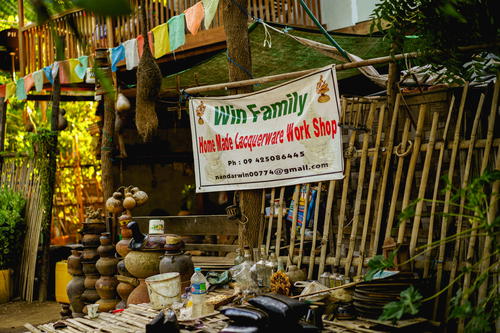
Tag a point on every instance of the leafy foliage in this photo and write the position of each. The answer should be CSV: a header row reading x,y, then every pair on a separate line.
x,y
443,26
408,304
380,263
11,226
475,198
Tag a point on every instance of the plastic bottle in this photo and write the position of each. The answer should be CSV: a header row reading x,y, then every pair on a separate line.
x,y
199,286
239,257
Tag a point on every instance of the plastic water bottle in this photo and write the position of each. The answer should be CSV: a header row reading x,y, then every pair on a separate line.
x,y
198,292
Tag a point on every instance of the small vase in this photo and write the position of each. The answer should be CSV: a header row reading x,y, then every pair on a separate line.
x,y
106,287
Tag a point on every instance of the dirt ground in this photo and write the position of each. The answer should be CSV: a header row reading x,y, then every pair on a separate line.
x,y
14,315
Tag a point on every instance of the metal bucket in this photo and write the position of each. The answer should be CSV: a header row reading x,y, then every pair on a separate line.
x,y
164,289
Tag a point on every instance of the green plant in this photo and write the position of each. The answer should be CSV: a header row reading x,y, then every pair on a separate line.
x,y
188,193
476,200
437,28
11,226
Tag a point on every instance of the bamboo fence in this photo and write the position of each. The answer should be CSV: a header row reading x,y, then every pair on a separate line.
x,y
21,176
392,157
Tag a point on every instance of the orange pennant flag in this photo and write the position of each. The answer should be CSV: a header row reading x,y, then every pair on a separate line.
x,y
194,17
28,83
140,43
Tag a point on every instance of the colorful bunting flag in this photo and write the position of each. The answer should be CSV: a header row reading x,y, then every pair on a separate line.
x,y
131,53
20,92
194,16
48,74
117,55
67,72
38,78
10,90
81,68
28,83
55,69
140,43
210,7
176,31
161,40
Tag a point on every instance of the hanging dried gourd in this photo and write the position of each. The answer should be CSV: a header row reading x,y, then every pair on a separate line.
x,y
114,203
122,103
140,196
148,86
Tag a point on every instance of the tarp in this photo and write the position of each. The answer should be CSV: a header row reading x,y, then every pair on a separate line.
x,y
285,55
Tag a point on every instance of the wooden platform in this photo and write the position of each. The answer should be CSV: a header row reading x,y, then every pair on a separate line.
x,y
135,318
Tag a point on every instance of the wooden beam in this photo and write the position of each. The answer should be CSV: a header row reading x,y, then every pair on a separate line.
x,y
64,98
3,122
211,247
20,14
196,224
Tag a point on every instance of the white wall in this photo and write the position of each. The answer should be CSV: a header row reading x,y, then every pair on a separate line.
x,y
337,14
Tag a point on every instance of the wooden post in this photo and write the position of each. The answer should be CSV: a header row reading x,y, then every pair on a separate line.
x,y
20,13
240,68
50,177
3,122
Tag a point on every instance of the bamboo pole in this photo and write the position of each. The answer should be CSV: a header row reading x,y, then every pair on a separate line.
x,y
465,181
436,188
423,184
326,226
303,226
271,217
369,198
262,221
492,213
359,190
315,230
451,170
293,75
385,174
280,222
345,188
411,168
293,230
397,177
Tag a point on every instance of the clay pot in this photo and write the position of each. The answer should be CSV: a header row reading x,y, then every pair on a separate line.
x,y
124,289
122,270
74,263
107,305
93,227
122,247
125,232
106,287
178,262
89,296
89,268
90,240
90,254
75,289
90,281
139,295
106,266
106,249
143,264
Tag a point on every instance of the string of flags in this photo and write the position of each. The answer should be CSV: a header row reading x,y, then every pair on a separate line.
x,y
163,39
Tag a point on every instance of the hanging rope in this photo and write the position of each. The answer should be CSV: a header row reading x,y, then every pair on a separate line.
x,y
231,60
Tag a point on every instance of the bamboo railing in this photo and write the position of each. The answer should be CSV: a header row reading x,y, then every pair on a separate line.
x,y
37,49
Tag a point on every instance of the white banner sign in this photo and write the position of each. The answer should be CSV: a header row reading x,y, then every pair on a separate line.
x,y
284,135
